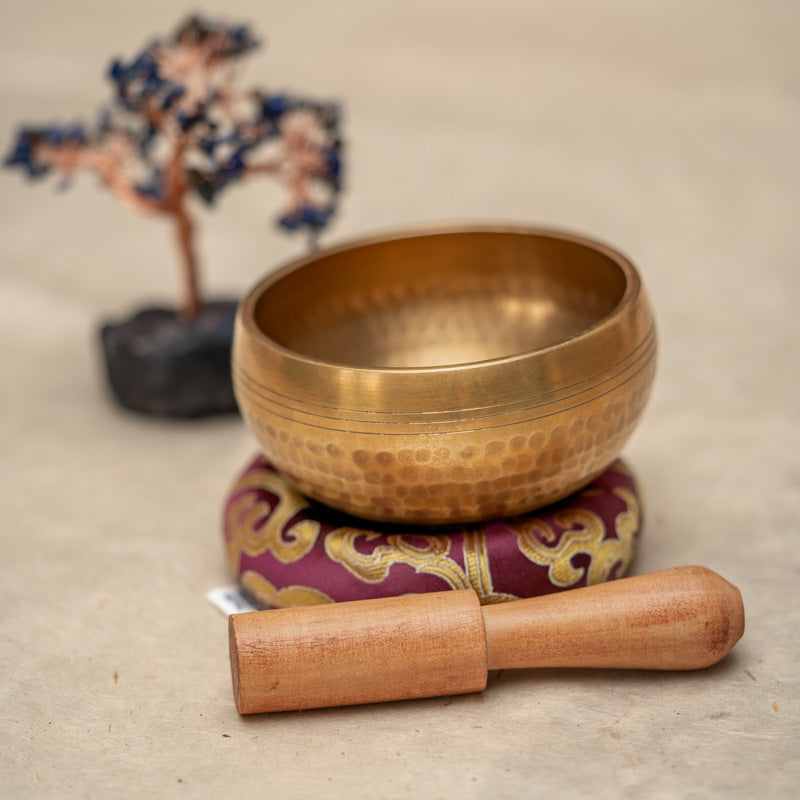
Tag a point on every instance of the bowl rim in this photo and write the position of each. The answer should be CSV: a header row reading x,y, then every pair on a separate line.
x,y
246,311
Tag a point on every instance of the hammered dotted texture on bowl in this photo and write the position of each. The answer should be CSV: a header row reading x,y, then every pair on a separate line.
x,y
442,478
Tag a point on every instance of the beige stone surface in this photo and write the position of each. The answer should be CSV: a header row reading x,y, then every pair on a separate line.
x,y
669,129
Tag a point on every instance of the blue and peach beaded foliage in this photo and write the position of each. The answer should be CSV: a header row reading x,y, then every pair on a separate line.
x,y
178,127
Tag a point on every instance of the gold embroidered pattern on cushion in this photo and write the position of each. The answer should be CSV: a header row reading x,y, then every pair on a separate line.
x,y
584,535
434,559
247,536
479,575
264,592
628,521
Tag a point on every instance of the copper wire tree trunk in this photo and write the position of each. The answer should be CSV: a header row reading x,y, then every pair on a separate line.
x,y
189,266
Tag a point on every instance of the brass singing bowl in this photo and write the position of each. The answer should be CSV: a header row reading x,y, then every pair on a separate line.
x,y
446,375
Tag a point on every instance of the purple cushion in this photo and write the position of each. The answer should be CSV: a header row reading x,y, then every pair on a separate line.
x,y
286,550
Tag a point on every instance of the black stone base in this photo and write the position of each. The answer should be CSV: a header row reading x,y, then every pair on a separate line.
x,y
165,366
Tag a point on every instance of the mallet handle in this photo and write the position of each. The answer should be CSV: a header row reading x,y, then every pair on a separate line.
x,y
679,618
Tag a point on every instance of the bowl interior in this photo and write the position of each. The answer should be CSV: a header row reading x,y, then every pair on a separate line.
x,y
440,299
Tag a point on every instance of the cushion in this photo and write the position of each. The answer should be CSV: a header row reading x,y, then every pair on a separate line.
x,y
286,550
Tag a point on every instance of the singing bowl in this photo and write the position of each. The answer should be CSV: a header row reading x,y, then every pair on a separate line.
x,y
445,375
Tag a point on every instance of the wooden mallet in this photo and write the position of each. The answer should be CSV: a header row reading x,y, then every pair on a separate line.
x,y
444,643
